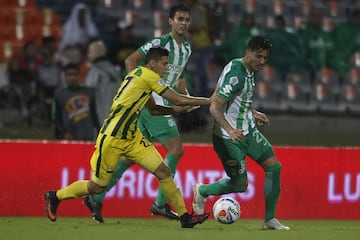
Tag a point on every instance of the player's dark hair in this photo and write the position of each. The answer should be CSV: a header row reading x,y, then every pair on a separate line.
x,y
181,7
71,66
259,43
156,53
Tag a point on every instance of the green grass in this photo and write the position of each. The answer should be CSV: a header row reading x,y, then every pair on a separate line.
x,y
18,228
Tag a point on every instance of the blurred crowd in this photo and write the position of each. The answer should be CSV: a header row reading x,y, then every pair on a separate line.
x,y
314,65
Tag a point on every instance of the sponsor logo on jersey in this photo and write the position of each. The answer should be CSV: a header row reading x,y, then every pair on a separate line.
x,y
175,69
233,81
154,43
161,82
226,90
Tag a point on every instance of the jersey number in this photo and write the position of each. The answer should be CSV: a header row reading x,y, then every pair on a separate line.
x,y
144,142
123,86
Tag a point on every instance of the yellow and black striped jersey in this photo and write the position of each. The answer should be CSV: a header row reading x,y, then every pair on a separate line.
x,y
131,97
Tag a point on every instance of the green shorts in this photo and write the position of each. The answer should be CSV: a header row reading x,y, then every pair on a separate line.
x,y
233,154
161,128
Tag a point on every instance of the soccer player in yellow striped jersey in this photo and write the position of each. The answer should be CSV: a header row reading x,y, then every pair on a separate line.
x,y
119,137
162,128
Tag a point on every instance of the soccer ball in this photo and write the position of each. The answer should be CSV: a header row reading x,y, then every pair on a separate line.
x,y
226,210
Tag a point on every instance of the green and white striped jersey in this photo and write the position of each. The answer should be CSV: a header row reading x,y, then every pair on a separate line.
x,y
236,85
178,58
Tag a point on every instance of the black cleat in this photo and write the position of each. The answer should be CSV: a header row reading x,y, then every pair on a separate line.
x,y
94,207
189,221
51,205
164,211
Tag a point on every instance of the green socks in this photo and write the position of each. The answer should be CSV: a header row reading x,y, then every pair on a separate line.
x,y
223,186
271,190
171,161
119,171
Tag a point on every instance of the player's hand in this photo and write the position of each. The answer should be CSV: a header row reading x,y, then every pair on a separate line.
x,y
236,134
260,118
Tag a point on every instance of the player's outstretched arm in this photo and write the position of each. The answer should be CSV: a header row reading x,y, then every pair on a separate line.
x,y
184,100
163,110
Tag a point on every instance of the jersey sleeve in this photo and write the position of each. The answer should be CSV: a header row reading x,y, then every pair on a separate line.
x,y
155,83
231,81
159,86
144,49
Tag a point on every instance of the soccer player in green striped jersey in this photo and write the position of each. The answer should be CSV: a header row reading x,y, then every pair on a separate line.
x,y
161,128
164,128
236,136
119,137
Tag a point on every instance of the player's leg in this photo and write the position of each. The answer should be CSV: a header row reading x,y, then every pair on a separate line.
x,y
164,129
53,197
172,193
100,165
261,151
94,202
172,143
123,165
232,156
150,159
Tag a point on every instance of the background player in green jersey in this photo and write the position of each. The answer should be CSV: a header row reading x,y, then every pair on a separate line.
x,y
235,134
119,136
161,128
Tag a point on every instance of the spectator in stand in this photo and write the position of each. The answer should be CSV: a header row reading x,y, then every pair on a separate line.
x,y
49,75
290,52
77,32
318,42
74,108
51,44
220,21
125,44
24,73
236,43
201,43
103,76
347,42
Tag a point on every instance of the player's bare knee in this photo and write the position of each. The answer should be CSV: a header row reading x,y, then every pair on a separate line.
x,y
95,188
127,161
162,172
240,186
270,162
177,151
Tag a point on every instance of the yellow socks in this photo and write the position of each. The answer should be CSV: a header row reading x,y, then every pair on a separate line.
x,y
74,190
172,193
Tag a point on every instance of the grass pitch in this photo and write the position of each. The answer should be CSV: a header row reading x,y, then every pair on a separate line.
x,y
25,228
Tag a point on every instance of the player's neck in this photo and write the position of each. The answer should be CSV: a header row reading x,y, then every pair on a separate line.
x,y
247,65
178,38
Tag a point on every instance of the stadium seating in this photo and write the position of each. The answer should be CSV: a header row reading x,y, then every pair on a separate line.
x,y
23,20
